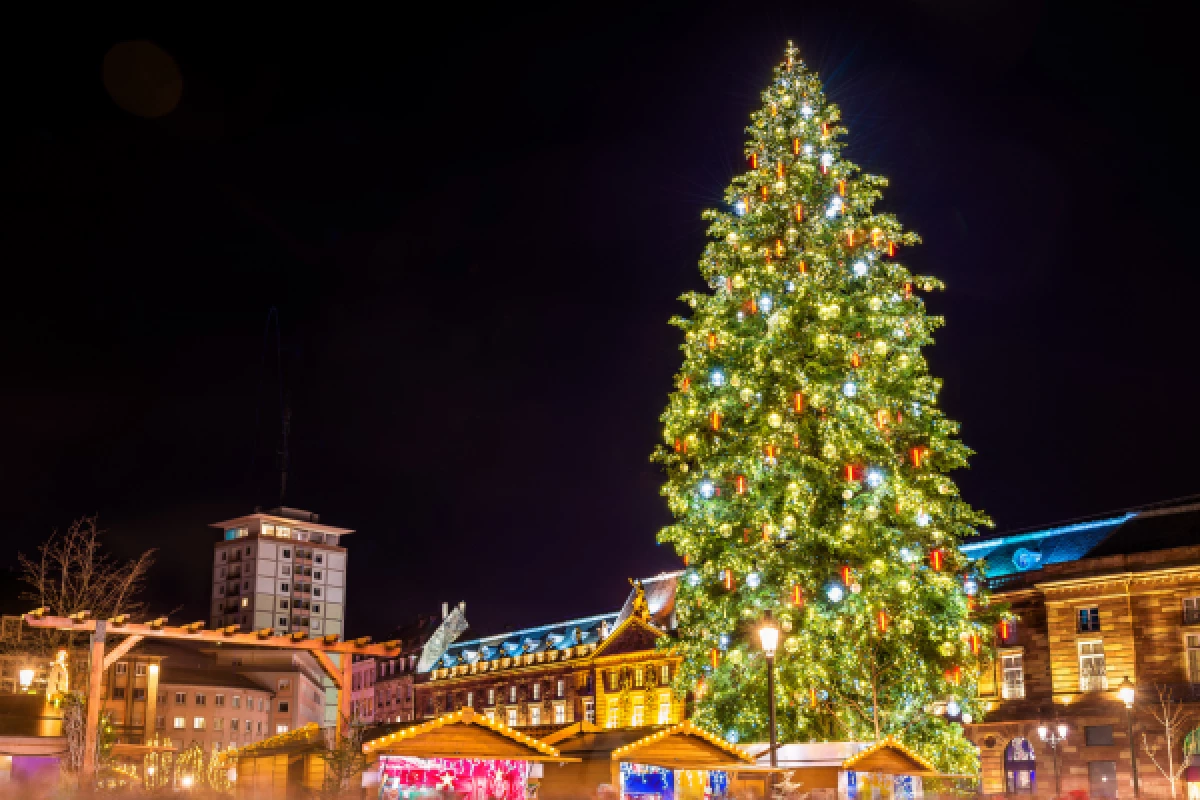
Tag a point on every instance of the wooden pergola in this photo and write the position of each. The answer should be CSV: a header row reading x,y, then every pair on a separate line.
x,y
99,630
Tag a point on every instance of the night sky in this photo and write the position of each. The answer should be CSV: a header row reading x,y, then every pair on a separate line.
x,y
475,229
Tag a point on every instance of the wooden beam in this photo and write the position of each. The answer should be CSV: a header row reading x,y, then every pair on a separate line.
x,y
158,630
92,717
120,650
331,669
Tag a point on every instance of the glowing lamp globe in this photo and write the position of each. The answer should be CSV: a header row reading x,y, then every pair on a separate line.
x,y
768,634
26,678
1127,692
1042,732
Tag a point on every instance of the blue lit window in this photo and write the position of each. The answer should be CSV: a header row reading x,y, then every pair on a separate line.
x,y
1089,619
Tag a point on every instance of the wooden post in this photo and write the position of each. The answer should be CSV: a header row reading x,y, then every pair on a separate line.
x,y
91,729
346,695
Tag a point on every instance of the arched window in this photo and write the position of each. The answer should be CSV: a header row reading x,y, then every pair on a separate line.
x,y
1020,766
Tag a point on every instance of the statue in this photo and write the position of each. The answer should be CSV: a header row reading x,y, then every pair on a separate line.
x,y
57,682
640,608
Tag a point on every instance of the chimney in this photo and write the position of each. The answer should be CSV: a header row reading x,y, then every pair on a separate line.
x,y
445,610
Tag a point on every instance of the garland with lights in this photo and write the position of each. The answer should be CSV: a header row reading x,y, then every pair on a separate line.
x,y
807,459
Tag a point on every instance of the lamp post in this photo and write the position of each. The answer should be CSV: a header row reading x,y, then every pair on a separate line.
x,y
1128,693
768,633
1053,738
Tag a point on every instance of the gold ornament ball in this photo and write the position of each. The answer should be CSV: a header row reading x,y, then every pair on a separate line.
x,y
905,625
874,304
791,644
774,419
789,522
880,347
947,649
878,566
848,495
738,281
903,586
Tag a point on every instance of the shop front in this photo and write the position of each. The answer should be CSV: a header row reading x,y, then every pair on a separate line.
x,y
885,770
679,762
461,755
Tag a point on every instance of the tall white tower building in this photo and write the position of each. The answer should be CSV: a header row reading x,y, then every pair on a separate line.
x,y
280,570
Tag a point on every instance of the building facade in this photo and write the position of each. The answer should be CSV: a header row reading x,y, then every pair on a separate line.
x,y
363,690
606,670
283,571
1098,603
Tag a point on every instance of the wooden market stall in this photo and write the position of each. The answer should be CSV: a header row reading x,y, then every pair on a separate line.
x,y
885,770
464,753
681,761
279,764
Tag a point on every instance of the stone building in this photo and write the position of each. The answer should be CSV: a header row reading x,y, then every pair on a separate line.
x,y
1098,603
604,669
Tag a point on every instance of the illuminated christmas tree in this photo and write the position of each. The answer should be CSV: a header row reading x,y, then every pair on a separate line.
x,y
807,459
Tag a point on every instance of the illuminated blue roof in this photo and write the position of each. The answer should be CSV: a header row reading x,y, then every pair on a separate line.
x,y
556,636
1032,550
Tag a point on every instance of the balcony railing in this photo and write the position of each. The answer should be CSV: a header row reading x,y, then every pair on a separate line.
x,y
1093,683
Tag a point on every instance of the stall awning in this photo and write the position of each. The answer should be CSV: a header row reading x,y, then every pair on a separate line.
x,y
683,746
889,756
464,734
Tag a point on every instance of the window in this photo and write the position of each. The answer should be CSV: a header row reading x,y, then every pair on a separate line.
x,y
1089,620
1013,667
162,698
560,688
259,725
512,718
160,722
118,693
1098,735
637,717
1092,671
491,715
245,602
1193,657
1191,610
283,587
560,713
179,723
287,553
283,707
200,699
139,670
1102,779
219,700
180,698
198,723
491,697
614,715
470,699
319,558
122,668
316,592
283,622
233,724
537,691
281,729
237,701
535,715
218,723
664,709
285,684
317,575
589,710
639,678
260,704
664,674
139,694
512,694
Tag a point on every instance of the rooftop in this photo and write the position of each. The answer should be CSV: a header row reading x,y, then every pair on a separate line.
x,y
291,517
1156,527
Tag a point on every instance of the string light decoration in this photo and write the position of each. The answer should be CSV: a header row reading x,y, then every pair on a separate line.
x,y
818,330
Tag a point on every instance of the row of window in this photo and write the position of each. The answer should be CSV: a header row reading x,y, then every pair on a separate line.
x,y
389,667
200,699
122,668
1093,668
201,723
235,555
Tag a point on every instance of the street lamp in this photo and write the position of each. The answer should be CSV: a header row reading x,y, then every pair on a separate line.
x,y
1128,693
1053,738
768,633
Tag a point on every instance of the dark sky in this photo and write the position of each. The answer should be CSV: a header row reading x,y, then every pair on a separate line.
x,y
475,229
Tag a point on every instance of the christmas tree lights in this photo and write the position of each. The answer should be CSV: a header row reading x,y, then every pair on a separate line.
x,y
807,459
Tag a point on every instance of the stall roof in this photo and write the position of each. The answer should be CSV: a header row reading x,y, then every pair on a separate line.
x,y
464,734
303,738
682,746
889,755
